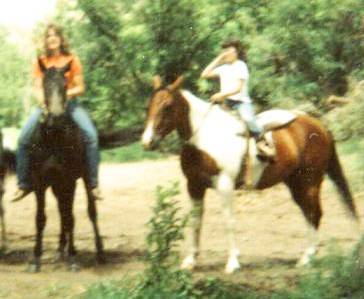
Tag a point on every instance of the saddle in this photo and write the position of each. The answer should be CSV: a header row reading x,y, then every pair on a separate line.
x,y
275,119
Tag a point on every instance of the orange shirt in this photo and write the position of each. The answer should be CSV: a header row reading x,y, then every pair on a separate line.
x,y
58,62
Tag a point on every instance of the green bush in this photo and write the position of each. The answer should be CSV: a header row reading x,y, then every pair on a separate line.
x,y
347,121
333,277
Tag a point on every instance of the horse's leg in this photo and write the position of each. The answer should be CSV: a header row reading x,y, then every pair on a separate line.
x,y
225,188
2,215
197,193
307,196
92,213
40,221
62,212
68,197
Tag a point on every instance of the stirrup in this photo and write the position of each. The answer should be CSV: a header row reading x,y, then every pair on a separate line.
x,y
266,150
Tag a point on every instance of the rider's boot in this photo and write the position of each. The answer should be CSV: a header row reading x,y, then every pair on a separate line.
x,y
265,147
20,193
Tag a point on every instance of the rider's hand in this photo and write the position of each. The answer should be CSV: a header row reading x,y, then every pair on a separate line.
x,y
217,98
225,54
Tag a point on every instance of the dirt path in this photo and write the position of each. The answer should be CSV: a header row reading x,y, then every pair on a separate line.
x,y
271,233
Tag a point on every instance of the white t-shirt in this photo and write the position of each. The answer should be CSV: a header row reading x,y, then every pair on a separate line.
x,y
230,74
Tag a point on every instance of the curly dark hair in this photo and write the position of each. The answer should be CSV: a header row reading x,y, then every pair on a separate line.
x,y
238,46
64,43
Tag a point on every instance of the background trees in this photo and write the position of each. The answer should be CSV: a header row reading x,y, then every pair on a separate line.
x,y
13,78
299,52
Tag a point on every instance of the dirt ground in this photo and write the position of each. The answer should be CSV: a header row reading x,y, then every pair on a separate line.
x,y
270,230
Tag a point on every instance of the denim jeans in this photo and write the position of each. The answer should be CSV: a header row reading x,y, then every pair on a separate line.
x,y
88,133
246,112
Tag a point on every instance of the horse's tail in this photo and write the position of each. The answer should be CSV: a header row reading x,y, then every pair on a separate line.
x,y
336,174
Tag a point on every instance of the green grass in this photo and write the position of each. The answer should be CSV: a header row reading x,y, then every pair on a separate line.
x,y
130,153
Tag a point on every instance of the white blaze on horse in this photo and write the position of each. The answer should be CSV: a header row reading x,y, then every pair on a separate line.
x,y
216,151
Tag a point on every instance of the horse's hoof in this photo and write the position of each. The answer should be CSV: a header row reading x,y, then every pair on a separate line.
x,y
74,267
33,268
188,263
304,262
232,266
307,257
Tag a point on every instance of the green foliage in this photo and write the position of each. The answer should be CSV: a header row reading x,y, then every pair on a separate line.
x,y
301,57
334,277
294,60
350,115
165,230
130,153
13,78
161,278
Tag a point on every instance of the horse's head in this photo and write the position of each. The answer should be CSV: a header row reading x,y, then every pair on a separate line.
x,y
55,88
162,115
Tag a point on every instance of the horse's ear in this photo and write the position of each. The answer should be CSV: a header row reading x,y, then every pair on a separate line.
x,y
66,68
176,84
157,82
41,65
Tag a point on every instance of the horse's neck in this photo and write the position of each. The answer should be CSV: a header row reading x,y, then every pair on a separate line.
x,y
55,104
194,111
203,118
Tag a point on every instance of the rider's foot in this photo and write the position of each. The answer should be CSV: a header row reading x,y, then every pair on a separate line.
x,y
96,193
20,193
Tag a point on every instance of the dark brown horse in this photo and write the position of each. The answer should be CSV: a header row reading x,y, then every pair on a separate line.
x,y
57,160
215,149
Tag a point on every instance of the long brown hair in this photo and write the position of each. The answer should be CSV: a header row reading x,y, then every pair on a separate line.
x,y
238,46
64,43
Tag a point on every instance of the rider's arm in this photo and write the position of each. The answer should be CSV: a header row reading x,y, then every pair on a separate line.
x,y
209,71
219,96
78,85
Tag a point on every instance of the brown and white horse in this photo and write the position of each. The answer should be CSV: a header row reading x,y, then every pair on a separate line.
x,y
212,157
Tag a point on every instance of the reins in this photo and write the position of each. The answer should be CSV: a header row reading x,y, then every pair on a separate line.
x,y
202,122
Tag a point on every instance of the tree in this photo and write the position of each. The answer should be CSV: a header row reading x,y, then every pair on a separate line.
x,y
13,79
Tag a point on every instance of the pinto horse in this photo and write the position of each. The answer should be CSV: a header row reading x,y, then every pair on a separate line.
x,y
213,153
57,160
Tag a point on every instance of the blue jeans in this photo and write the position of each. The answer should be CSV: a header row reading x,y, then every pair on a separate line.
x,y
246,112
89,135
